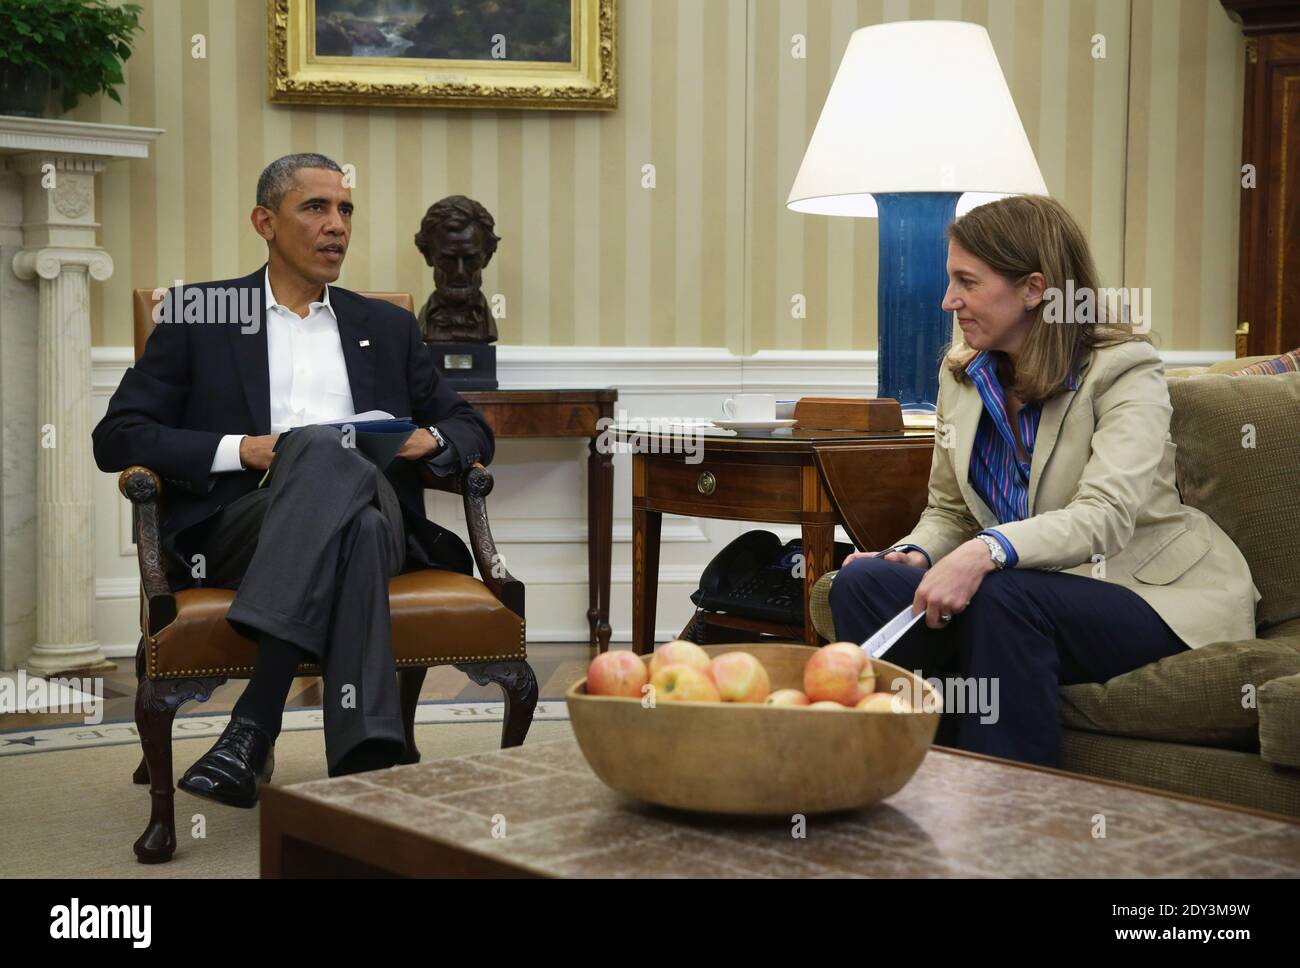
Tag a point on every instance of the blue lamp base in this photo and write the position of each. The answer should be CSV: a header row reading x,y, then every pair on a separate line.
x,y
914,332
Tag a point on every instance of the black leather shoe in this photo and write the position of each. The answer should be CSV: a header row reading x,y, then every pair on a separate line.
x,y
233,771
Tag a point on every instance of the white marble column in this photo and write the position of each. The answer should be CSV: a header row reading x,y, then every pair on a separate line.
x,y
65,574
49,237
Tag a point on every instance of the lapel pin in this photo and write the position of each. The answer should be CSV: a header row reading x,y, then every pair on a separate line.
x,y
365,342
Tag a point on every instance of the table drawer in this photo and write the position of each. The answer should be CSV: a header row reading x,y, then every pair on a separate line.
x,y
714,483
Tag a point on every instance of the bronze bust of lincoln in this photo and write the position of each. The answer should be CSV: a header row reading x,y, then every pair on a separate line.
x,y
456,238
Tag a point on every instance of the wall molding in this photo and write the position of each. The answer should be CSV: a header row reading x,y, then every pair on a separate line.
x,y
665,370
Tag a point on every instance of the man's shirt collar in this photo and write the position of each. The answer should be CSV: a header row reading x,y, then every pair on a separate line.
x,y
272,304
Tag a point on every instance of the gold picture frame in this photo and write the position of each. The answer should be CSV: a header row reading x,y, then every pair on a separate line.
x,y
298,75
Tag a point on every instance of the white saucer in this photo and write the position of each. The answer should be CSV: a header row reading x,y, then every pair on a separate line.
x,y
754,424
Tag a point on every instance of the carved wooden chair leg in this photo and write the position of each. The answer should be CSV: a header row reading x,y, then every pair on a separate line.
x,y
410,681
156,704
141,774
519,684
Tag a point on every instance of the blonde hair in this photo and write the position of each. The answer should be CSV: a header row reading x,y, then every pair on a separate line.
x,y
1015,237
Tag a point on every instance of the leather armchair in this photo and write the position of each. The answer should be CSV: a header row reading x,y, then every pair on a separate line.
x,y
439,617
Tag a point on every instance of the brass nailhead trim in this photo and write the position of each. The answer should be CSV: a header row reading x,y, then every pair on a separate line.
x,y
419,660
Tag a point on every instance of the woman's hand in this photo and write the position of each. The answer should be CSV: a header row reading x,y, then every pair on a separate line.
x,y
948,587
913,558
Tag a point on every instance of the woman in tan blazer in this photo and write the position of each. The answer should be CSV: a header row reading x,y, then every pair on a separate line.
x,y
1054,547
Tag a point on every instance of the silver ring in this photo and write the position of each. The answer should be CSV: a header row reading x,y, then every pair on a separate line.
x,y
945,617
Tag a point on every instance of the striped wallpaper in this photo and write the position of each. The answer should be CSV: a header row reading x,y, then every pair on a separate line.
x,y
1143,146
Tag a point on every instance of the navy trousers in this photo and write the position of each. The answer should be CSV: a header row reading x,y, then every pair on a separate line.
x,y
1024,634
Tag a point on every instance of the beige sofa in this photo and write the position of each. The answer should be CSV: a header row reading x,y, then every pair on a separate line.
x,y
1222,721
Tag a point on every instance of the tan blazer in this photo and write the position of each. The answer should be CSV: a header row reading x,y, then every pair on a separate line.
x,y
1102,497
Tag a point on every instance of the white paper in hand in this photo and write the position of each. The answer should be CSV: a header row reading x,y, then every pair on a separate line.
x,y
369,416
890,632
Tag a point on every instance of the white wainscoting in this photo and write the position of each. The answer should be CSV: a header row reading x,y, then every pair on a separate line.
x,y
538,506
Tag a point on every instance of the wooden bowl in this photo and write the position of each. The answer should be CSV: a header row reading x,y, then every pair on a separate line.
x,y
750,758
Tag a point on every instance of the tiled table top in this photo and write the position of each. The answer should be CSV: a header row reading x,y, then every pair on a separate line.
x,y
960,816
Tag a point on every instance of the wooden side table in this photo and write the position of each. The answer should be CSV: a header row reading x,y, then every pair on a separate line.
x,y
874,484
568,413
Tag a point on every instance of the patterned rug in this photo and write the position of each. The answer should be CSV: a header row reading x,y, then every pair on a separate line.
x,y
26,740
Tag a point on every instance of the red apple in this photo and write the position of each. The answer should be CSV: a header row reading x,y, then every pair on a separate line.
x,y
678,652
832,676
617,673
885,702
739,677
683,683
866,673
827,704
787,697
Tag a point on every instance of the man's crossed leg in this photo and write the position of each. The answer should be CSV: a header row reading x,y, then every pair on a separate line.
x,y
311,554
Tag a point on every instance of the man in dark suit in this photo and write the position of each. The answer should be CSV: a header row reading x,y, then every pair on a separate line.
x,y
232,365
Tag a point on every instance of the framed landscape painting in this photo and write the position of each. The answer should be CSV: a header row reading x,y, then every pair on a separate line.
x,y
535,54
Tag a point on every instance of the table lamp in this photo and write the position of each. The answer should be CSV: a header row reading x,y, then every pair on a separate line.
x,y
919,117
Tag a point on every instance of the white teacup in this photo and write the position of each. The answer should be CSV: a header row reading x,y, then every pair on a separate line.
x,y
750,407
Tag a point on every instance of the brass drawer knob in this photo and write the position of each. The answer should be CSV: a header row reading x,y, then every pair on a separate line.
x,y
707,484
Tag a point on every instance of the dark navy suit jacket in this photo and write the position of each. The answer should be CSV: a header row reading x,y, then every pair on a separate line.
x,y
204,374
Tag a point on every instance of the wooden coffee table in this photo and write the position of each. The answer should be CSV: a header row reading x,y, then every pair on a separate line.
x,y
538,811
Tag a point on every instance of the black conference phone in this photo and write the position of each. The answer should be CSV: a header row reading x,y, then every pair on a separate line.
x,y
757,577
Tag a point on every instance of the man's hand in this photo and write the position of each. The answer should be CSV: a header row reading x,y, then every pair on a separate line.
x,y
256,453
419,446
948,587
913,558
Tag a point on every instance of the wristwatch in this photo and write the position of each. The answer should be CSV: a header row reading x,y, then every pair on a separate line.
x,y
998,552
437,435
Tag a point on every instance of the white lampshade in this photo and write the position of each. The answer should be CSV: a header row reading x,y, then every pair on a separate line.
x,y
917,106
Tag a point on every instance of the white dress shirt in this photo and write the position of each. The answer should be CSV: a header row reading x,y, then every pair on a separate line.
x,y
308,375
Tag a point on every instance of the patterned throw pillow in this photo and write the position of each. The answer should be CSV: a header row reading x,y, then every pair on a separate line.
x,y
1286,363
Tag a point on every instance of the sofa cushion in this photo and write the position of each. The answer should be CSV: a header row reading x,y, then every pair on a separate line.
x,y
1279,721
1238,364
819,603
1207,696
1248,491
1223,366
1194,771
1288,362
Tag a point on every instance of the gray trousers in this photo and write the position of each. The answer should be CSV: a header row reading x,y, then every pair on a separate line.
x,y
311,553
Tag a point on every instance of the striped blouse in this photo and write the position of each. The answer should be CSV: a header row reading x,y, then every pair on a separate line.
x,y
996,472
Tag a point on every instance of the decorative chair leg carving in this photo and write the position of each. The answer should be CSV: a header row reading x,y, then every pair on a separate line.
x,y
141,774
410,681
519,684
156,704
